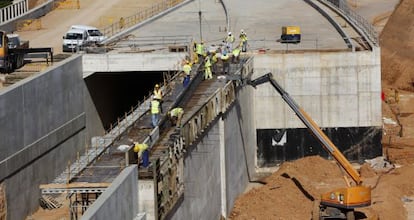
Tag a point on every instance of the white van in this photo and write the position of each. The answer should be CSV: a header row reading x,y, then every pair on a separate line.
x,y
74,40
94,35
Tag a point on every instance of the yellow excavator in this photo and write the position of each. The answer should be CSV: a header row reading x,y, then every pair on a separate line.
x,y
339,203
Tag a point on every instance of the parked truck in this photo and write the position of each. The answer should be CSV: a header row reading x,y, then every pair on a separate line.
x,y
339,203
13,51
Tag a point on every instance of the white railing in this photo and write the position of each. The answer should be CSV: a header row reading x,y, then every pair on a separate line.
x,y
14,10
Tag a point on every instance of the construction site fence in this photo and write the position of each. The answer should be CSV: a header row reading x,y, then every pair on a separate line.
x,y
126,22
13,11
366,27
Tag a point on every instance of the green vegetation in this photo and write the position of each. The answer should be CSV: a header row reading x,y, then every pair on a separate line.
x,y
4,3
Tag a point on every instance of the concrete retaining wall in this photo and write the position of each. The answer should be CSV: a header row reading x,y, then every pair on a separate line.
x,y
202,189
146,194
119,201
239,146
44,123
218,169
337,89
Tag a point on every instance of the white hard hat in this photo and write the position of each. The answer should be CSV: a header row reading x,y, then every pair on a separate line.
x,y
229,33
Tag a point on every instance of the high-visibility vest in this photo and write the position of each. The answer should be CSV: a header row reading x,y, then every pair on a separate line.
x,y
224,57
208,63
158,93
243,37
138,148
187,69
236,52
200,49
214,58
230,39
155,107
176,111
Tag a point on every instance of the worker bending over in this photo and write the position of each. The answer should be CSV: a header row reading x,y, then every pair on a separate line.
x,y
175,115
142,152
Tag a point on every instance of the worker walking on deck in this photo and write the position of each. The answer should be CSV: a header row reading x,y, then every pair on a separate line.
x,y
187,72
143,154
175,116
155,111
158,95
200,51
243,40
225,60
229,42
207,68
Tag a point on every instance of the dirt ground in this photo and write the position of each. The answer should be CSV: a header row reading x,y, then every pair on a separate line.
x,y
393,190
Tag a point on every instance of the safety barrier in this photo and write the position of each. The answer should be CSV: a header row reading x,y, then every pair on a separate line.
x,y
130,21
14,10
357,19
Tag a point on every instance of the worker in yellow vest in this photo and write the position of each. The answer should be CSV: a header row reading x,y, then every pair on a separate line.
x,y
143,154
243,40
187,72
200,51
175,116
158,95
229,42
225,60
207,68
155,111
236,55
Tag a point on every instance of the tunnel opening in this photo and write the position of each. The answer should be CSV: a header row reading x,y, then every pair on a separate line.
x,y
115,93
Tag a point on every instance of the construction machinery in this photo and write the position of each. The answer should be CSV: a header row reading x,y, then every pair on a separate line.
x,y
290,34
338,203
13,52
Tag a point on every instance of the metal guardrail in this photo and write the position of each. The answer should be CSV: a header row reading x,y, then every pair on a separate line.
x,y
357,19
130,21
14,10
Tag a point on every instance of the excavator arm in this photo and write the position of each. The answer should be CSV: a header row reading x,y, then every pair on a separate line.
x,y
338,203
311,125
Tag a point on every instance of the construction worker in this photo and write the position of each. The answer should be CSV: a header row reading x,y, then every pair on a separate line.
x,y
187,71
225,60
207,68
229,41
175,116
200,50
155,111
243,40
142,152
236,55
158,94
214,60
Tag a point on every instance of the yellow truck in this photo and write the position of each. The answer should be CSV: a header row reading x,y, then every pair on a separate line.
x,y
290,34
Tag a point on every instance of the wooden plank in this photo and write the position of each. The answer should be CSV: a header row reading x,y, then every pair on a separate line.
x,y
74,185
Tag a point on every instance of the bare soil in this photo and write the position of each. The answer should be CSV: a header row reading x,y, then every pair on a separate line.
x,y
290,192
